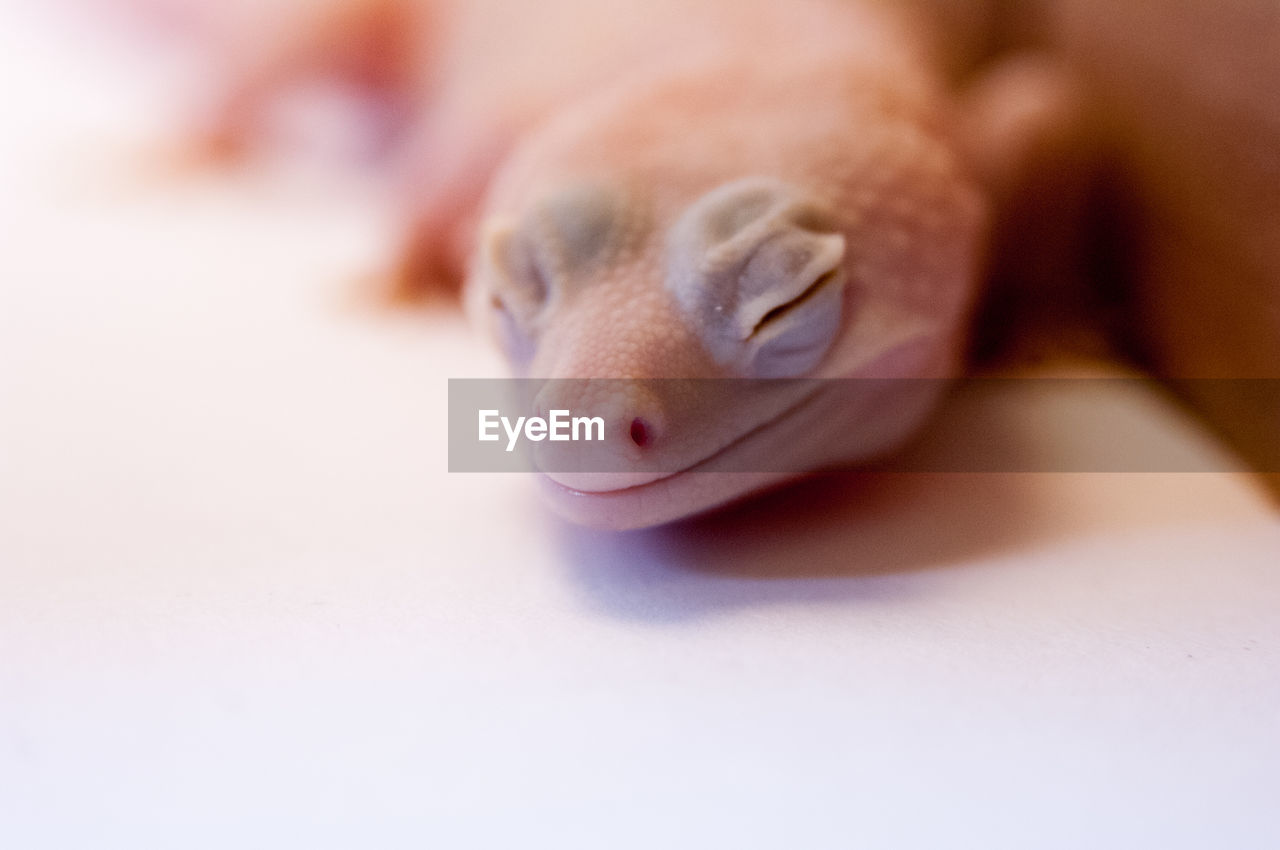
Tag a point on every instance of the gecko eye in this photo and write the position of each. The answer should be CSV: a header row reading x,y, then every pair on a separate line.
x,y
759,272
559,245
518,289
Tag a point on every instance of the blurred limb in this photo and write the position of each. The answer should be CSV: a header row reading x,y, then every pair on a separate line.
x,y
1170,185
256,51
262,50
1025,122
445,167
1188,96
443,153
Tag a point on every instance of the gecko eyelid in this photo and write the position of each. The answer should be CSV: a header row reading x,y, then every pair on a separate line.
x,y
757,267
520,282
789,306
535,278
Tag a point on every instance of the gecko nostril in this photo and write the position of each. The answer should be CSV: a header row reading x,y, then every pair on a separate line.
x,y
641,433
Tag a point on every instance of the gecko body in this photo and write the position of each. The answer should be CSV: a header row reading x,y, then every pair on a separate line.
x,y
737,192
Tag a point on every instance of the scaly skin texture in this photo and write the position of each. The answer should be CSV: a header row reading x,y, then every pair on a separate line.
x,y
837,162
706,188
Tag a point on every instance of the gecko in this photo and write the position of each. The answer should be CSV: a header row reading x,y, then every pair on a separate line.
x,y
757,190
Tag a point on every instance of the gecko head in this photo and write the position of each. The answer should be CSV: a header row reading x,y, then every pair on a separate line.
x,y
738,285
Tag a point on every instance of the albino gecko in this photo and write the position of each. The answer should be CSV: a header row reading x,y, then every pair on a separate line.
x,y
639,189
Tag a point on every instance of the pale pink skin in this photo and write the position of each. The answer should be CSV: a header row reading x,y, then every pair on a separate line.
x,y
860,131
657,103
826,97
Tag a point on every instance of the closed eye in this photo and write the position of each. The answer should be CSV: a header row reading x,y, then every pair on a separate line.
x,y
515,337
795,303
527,279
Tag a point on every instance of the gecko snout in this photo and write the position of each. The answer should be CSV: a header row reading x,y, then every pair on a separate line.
x,y
623,450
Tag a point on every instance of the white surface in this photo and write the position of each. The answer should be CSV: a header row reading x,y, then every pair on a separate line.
x,y
243,604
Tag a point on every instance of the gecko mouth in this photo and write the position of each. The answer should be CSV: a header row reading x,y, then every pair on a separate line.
x,y
699,485
703,464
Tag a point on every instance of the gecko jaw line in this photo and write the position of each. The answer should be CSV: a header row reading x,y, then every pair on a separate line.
x,y
694,467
